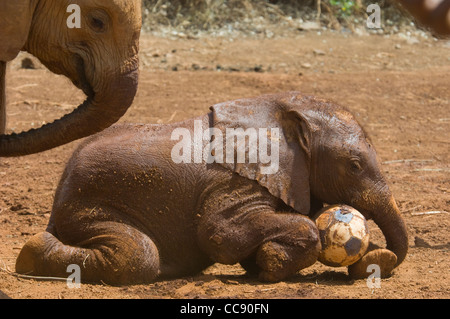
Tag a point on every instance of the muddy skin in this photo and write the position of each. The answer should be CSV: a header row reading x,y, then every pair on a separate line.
x,y
126,213
106,73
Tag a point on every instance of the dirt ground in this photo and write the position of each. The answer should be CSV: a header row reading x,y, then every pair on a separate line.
x,y
398,88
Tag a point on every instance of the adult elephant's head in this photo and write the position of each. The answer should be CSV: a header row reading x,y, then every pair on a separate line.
x,y
95,44
324,157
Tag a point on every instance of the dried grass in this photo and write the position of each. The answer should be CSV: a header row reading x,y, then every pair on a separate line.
x,y
242,15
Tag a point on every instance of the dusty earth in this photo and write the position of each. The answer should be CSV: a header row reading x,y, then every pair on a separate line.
x,y
398,88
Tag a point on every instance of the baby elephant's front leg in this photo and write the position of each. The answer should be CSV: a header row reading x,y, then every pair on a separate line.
x,y
279,244
295,247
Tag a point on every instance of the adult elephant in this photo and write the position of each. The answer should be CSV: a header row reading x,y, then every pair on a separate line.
x,y
432,13
100,57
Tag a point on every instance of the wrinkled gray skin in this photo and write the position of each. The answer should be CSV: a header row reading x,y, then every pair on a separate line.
x,y
126,213
100,58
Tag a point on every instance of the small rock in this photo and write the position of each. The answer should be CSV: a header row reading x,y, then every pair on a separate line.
x,y
309,26
18,207
25,213
318,52
361,32
412,40
258,68
235,69
306,65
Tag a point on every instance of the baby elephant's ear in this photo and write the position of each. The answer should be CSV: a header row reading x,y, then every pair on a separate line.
x,y
15,22
265,141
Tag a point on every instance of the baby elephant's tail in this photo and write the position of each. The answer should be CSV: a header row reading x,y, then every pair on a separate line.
x,y
105,258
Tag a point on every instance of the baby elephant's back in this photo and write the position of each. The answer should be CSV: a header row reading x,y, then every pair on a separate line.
x,y
128,168
131,162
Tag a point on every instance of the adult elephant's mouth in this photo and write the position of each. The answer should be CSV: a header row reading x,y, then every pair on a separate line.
x,y
83,83
101,109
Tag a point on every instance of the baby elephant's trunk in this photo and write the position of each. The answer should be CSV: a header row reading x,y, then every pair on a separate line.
x,y
391,223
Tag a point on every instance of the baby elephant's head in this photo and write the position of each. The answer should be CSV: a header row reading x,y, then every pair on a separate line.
x,y
344,169
323,154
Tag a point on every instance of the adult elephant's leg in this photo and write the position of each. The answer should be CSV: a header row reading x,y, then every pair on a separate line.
x,y
2,97
112,253
278,243
2,118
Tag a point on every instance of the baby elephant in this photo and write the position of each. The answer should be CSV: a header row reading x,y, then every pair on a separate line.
x,y
239,184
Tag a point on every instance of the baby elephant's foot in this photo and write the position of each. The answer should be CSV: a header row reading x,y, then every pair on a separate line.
x,y
278,262
31,258
116,254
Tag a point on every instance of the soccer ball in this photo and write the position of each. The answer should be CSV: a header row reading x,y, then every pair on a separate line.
x,y
344,235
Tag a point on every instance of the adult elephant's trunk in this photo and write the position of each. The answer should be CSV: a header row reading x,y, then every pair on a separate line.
x,y
98,112
389,220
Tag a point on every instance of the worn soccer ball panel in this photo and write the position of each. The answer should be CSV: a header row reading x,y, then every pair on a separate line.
x,y
344,235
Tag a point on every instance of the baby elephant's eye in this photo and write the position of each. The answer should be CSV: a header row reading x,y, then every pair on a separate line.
x,y
355,166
